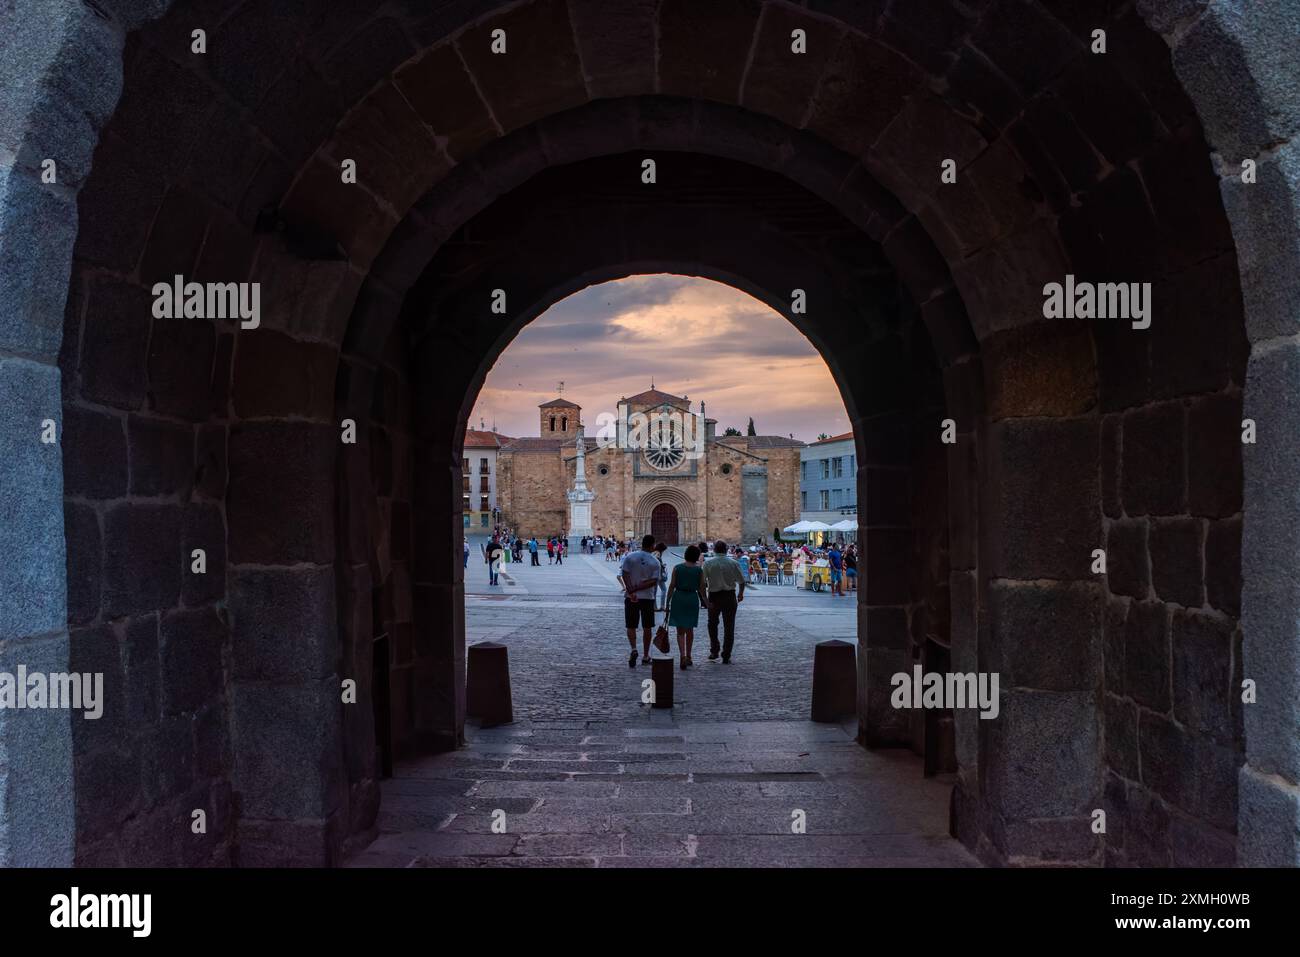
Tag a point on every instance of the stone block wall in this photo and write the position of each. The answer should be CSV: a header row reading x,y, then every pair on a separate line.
x,y
535,484
782,488
147,451
1171,490
753,503
610,505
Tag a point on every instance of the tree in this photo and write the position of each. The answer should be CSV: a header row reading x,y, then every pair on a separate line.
x,y
751,431
822,437
731,431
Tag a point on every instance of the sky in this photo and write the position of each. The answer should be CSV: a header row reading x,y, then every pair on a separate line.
x,y
691,336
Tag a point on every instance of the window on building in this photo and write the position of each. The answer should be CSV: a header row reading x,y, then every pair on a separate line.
x,y
853,465
826,468
803,471
483,467
564,424
803,501
552,423
825,499
837,467
483,503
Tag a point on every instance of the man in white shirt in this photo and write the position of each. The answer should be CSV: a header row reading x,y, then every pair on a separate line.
x,y
722,574
638,573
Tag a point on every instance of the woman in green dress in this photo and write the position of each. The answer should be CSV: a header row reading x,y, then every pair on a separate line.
x,y
686,593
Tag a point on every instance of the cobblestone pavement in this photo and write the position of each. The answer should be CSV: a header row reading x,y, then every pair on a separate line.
x,y
568,650
587,776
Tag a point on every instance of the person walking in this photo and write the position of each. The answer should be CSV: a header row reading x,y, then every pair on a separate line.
x,y
662,595
559,550
722,574
836,560
638,574
494,552
532,550
686,592
851,567
466,541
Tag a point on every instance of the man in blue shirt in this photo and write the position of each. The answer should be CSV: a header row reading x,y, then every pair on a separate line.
x,y
837,570
532,549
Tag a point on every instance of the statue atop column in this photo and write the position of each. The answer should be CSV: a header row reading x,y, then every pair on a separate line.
x,y
580,497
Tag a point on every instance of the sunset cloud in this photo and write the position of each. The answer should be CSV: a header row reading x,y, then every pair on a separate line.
x,y
691,336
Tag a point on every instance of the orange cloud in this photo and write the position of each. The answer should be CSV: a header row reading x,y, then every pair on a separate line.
x,y
691,336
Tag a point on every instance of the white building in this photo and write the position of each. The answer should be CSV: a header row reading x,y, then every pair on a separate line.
x,y
479,478
828,480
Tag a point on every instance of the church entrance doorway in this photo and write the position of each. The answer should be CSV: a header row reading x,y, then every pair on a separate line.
x,y
663,524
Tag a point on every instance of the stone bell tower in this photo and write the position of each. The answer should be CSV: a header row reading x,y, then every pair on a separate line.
x,y
559,419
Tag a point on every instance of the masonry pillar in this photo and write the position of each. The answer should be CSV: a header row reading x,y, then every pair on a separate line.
x,y
286,698
66,51
883,594
1041,616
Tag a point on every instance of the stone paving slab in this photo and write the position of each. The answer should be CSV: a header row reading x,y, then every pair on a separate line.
x,y
859,808
588,776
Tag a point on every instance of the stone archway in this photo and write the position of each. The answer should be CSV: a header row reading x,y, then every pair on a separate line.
x,y
666,511
1068,163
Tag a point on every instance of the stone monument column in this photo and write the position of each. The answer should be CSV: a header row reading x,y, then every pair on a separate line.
x,y
580,497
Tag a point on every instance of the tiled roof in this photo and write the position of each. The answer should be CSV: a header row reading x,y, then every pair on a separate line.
x,y
476,439
535,445
762,441
559,404
656,397
833,438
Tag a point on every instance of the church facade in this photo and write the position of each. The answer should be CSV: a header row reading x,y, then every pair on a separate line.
x,y
654,466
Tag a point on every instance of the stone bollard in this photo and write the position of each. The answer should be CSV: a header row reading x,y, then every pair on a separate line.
x,y
487,684
835,680
661,670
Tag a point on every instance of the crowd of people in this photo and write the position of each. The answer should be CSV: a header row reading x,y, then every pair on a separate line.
x,y
505,547
612,547
783,563
710,577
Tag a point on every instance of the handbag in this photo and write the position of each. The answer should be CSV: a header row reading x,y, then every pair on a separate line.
x,y
661,637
